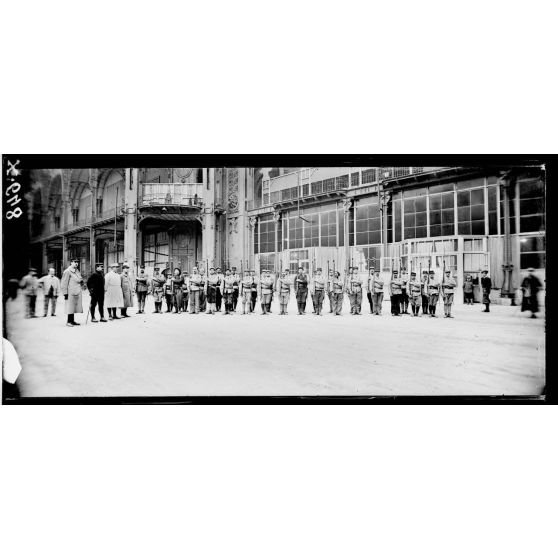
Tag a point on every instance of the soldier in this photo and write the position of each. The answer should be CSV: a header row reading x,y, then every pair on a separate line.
x,y
211,291
157,290
30,284
415,293
51,287
203,299
227,286
246,292
96,286
317,290
448,289
71,287
395,294
194,289
219,294
424,292
254,290
177,283
236,287
530,286
433,293
354,290
113,292
301,290
404,298
141,289
337,290
283,288
168,291
330,278
370,289
266,290
486,285
185,294
377,293
127,291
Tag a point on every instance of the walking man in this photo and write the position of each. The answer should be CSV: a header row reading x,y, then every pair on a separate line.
x,y
355,291
377,293
51,288
283,288
127,291
433,294
246,293
395,294
71,287
141,289
158,289
415,292
113,292
96,286
486,285
530,286
194,289
317,289
404,298
424,292
448,290
301,290
30,284
266,290
337,288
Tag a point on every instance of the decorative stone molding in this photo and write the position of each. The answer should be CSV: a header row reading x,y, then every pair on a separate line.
x,y
233,225
347,204
253,221
276,216
385,198
232,190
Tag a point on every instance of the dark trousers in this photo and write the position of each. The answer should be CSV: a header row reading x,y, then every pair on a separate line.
x,y
229,302
185,299
468,298
318,301
369,297
141,300
177,299
70,319
30,301
168,300
424,304
301,296
52,300
97,299
253,300
218,299
404,301
203,301
395,304
235,299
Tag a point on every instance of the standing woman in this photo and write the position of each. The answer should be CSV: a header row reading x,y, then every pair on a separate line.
x,y
113,292
127,291
71,287
177,282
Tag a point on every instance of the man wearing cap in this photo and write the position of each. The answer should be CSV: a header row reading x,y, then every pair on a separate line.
x,y
354,290
141,289
337,287
486,286
415,290
157,288
177,282
369,289
317,289
424,292
433,293
283,289
254,288
71,286
227,286
194,290
185,294
30,284
127,291
96,287
246,292
530,286
404,298
236,287
51,287
211,291
219,294
395,294
203,299
377,293
329,287
448,290
266,290
301,290
168,290
113,292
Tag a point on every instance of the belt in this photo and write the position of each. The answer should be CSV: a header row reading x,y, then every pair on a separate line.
x,y
318,290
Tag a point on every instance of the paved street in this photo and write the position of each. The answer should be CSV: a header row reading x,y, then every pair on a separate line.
x,y
177,354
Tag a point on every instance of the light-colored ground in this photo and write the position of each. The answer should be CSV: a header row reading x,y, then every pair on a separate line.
x,y
183,355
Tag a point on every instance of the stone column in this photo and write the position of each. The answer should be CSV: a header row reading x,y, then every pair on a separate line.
x,y
384,199
347,204
507,288
66,176
252,223
93,186
208,218
130,217
276,220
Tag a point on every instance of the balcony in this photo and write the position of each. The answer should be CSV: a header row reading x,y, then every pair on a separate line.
x,y
171,194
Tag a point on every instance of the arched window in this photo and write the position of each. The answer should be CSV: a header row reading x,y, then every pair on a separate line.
x,y
114,186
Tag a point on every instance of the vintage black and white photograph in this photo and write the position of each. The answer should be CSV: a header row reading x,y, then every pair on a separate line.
x,y
365,281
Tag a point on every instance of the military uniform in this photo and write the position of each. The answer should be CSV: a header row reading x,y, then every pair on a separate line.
x,y
203,299
433,294
283,288
169,291
337,289
448,290
185,293
96,287
424,292
246,293
194,288
301,291
218,293
141,290
318,291
415,293
377,294
211,292
157,290
177,283
395,295
404,298
354,290
369,287
254,291
266,290
228,292
236,287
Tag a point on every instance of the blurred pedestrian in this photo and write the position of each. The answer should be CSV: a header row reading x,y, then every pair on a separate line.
x,y
30,285
51,289
530,286
71,286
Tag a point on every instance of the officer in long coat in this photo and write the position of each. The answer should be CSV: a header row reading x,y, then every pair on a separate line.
x,y
157,289
96,286
71,286
113,292
127,291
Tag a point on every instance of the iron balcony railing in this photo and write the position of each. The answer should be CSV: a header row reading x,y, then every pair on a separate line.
x,y
189,194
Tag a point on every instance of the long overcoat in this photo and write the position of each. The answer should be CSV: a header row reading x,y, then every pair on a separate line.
x,y
113,290
127,290
71,285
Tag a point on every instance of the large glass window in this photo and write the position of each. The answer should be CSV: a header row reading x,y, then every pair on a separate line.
x,y
267,236
470,211
442,216
531,206
328,228
295,232
368,224
532,252
492,210
311,230
394,219
511,196
414,220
